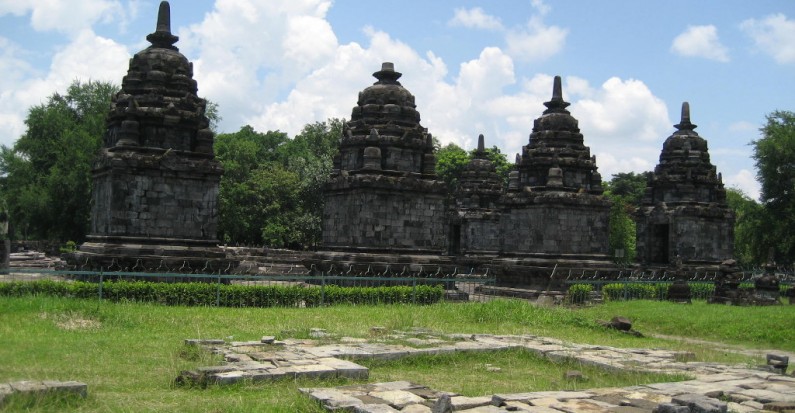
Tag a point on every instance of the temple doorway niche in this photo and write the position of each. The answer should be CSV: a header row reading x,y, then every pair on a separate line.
x,y
454,244
660,240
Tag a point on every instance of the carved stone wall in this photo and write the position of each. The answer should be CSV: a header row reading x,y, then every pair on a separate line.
x,y
155,181
557,225
383,194
174,197
684,211
554,205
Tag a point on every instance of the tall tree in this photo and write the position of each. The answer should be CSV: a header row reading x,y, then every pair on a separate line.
x,y
625,190
47,173
271,191
450,162
750,238
774,154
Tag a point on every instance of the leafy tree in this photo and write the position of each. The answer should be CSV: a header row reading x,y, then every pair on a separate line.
x,y
774,154
499,160
629,185
625,190
451,160
749,233
271,191
241,206
47,173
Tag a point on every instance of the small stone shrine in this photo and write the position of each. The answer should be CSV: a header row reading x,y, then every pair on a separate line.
x,y
474,228
383,196
554,207
684,211
155,197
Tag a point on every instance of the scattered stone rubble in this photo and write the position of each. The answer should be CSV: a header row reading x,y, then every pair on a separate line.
x,y
715,387
45,387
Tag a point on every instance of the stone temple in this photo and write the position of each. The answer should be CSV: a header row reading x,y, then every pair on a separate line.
x,y
554,203
475,219
155,195
684,215
385,206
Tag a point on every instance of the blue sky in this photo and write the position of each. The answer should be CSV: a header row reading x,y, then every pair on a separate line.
x,y
474,66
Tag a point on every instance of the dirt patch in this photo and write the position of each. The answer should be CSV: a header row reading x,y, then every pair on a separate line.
x,y
72,321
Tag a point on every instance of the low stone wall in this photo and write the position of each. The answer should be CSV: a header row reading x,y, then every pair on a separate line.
x,y
42,388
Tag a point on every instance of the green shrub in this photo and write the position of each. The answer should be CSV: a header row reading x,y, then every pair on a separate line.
x,y
701,291
578,293
635,291
207,294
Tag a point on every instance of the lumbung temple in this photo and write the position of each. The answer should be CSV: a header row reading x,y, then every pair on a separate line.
x,y
156,189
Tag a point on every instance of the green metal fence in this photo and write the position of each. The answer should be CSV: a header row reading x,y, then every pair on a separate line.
x,y
306,290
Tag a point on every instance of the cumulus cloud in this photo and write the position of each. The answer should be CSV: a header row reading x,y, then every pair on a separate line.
x,y
745,181
64,16
247,53
700,41
533,42
78,60
773,35
475,18
743,126
622,108
536,41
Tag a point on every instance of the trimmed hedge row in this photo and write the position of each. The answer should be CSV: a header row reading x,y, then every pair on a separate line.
x,y
206,294
659,291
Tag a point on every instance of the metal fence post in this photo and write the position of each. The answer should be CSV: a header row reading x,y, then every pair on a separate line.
x,y
218,292
322,288
100,284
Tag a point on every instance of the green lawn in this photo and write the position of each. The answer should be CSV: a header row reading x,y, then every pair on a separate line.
x,y
129,353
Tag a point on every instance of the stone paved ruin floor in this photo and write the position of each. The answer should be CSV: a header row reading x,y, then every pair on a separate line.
x,y
715,387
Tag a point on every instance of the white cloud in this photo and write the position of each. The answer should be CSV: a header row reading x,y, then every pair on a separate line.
x,y
743,126
745,181
246,52
700,41
64,16
774,35
78,60
622,109
475,18
536,41
610,165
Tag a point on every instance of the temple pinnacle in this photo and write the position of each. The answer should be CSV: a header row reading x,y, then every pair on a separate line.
x,y
556,104
684,124
387,74
162,36
557,89
481,144
164,18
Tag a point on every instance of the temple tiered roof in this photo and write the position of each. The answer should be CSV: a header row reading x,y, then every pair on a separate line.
x,y
158,106
556,159
685,174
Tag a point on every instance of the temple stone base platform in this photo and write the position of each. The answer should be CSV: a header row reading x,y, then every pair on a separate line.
x,y
148,254
375,263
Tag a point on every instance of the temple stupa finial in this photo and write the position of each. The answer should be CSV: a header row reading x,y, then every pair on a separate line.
x,y
556,104
162,36
387,75
685,126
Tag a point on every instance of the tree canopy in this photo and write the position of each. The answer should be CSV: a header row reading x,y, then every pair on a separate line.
x,y
47,173
451,160
271,190
774,154
626,191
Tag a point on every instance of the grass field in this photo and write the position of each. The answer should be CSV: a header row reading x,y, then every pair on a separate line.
x,y
129,353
